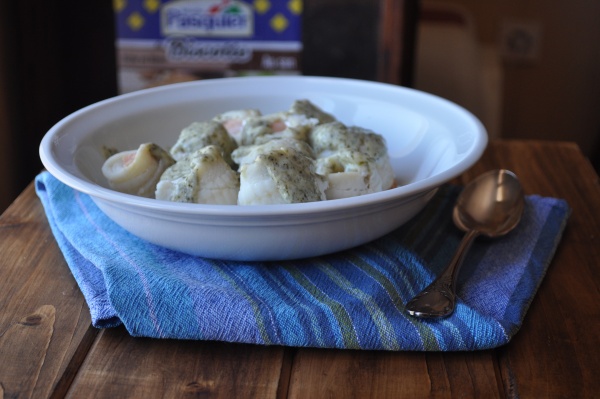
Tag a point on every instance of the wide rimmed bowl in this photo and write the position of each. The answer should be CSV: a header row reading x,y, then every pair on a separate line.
x,y
430,141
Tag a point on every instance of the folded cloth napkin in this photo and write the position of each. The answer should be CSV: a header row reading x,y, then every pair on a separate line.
x,y
352,300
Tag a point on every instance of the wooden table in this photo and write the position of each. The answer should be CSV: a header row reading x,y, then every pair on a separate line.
x,y
48,347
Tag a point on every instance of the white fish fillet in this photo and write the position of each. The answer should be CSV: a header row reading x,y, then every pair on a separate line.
x,y
201,134
247,154
354,159
202,177
234,121
295,123
280,176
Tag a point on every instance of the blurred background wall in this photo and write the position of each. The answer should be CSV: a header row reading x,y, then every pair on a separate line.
x,y
58,56
554,91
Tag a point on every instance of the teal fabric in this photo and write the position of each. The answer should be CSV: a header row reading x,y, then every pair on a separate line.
x,y
349,300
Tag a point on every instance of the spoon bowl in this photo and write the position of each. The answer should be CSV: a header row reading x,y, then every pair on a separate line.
x,y
491,205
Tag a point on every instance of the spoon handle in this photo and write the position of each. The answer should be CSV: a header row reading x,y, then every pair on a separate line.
x,y
439,298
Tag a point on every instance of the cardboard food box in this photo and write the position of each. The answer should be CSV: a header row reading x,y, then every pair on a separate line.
x,y
160,41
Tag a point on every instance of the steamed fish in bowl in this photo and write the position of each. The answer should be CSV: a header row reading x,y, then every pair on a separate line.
x,y
286,150
242,157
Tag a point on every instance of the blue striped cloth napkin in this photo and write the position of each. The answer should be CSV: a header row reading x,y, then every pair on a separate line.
x,y
350,300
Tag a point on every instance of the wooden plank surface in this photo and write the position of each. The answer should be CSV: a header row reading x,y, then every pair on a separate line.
x,y
49,349
119,366
44,319
368,374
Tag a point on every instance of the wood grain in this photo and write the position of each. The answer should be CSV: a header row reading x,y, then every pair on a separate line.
x,y
53,351
24,347
34,276
121,366
369,374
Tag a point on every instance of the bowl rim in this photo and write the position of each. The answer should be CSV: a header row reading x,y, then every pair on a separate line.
x,y
473,153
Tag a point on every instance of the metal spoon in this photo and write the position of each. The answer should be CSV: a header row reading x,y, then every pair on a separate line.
x,y
490,205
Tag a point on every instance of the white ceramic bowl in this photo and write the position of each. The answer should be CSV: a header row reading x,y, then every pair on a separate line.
x,y
430,141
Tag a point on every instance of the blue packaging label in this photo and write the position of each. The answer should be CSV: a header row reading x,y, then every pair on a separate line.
x,y
160,42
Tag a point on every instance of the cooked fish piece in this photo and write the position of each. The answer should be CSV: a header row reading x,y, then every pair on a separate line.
x,y
265,128
202,177
295,123
234,121
349,174
201,134
310,110
280,176
330,138
247,154
137,171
